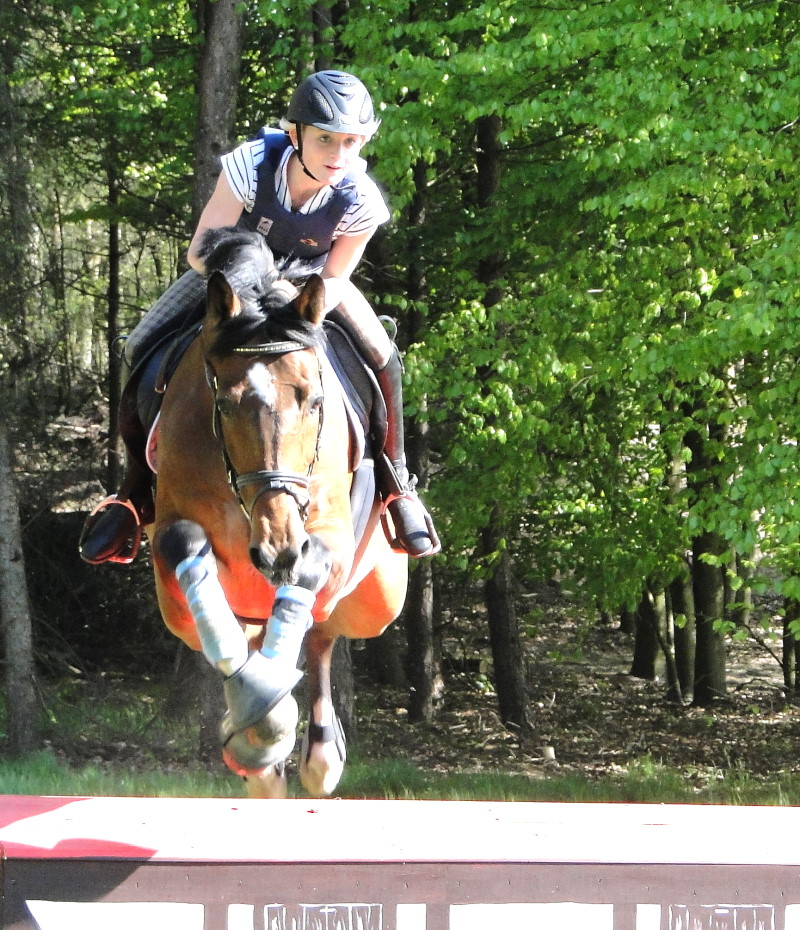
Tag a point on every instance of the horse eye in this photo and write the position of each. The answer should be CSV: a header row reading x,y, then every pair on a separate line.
x,y
315,403
225,406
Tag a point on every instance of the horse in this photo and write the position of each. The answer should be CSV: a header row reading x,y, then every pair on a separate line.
x,y
253,545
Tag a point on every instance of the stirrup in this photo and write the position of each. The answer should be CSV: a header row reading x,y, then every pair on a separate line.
x,y
409,494
130,547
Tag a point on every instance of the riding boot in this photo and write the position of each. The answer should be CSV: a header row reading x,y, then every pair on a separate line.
x,y
413,525
113,531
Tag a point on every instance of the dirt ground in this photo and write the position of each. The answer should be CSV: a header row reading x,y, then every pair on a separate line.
x,y
590,716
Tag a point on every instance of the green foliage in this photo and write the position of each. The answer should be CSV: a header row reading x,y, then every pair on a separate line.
x,y
625,379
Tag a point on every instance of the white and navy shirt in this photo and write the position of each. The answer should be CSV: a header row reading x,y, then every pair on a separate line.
x,y
241,171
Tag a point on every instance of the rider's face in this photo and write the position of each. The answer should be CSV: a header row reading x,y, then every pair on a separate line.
x,y
328,155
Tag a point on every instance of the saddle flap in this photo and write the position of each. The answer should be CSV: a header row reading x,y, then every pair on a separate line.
x,y
359,384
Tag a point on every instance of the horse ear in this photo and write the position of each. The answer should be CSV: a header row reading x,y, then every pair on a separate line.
x,y
310,303
221,302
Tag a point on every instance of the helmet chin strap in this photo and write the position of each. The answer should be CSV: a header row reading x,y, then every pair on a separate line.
x,y
299,151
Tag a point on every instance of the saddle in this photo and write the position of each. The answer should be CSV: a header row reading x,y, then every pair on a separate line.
x,y
361,395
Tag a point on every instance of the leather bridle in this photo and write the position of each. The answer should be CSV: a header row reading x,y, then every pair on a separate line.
x,y
293,483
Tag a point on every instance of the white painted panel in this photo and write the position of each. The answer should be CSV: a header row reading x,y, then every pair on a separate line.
x,y
648,917
411,917
59,915
240,916
529,916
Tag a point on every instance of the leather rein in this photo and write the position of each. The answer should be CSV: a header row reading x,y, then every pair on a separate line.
x,y
293,483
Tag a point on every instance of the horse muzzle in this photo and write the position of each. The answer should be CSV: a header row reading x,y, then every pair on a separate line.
x,y
306,563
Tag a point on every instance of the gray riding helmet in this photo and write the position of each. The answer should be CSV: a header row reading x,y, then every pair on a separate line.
x,y
336,101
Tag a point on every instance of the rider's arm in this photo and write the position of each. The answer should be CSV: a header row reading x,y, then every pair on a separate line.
x,y
344,256
223,209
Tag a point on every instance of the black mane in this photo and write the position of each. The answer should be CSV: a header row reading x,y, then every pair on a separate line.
x,y
249,267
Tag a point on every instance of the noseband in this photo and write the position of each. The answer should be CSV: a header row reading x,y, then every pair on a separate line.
x,y
289,482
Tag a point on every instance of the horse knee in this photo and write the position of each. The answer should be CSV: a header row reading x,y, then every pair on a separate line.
x,y
179,541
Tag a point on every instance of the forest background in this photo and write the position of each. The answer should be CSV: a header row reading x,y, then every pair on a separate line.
x,y
592,261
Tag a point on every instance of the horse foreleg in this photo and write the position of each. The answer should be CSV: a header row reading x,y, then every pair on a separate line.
x,y
259,729
323,756
184,549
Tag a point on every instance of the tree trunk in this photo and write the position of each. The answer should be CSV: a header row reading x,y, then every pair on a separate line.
x,y
645,648
682,599
384,658
423,660
343,689
15,619
508,657
219,66
708,578
791,614
708,585
115,462
424,666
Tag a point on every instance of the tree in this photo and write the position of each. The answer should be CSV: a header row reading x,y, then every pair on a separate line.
x,y
15,619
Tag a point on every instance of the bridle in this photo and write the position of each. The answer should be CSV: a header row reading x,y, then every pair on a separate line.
x,y
289,482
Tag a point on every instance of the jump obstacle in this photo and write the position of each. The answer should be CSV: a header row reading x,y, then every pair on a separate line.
x,y
212,864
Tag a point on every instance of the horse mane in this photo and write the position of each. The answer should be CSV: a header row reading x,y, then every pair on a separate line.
x,y
252,272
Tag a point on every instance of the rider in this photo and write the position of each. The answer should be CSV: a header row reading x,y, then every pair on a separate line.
x,y
305,188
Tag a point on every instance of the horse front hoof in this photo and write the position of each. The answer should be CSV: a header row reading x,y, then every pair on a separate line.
x,y
248,752
269,784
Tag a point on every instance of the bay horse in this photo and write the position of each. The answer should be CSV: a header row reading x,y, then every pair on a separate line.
x,y
253,543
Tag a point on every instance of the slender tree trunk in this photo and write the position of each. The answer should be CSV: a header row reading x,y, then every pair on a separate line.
x,y
115,462
682,600
384,658
789,659
708,578
425,676
221,24
709,601
508,657
343,689
423,661
15,618
645,649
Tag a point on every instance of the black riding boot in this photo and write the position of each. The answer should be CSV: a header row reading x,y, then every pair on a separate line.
x,y
414,529
113,531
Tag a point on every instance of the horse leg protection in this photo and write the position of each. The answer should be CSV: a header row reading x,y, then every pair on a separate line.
x,y
268,676
185,548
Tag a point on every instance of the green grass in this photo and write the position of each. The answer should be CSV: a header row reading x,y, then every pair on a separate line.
x,y
644,783
43,774
109,740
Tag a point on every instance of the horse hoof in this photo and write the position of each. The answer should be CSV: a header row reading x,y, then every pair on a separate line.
x,y
322,759
278,724
270,783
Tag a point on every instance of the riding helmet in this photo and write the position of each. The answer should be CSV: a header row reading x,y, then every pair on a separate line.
x,y
333,100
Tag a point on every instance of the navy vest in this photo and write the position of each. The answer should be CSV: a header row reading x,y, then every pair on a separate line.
x,y
306,236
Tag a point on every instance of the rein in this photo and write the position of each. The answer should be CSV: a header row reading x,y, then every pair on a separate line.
x,y
289,482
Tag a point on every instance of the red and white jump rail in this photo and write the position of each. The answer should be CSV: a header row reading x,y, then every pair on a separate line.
x,y
208,864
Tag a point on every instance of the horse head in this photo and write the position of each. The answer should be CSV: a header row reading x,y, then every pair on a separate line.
x,y
264,369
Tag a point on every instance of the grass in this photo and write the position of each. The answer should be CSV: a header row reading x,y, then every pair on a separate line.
x,y
644,783
108,740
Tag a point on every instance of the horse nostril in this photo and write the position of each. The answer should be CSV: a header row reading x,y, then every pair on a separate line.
x,y
257,558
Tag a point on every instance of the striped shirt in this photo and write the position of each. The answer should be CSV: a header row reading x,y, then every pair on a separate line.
x,y
240,168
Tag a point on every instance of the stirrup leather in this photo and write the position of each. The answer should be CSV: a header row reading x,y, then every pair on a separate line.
x,y
130,548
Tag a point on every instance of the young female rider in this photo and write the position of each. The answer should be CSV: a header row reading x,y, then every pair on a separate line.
x,y
305,188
